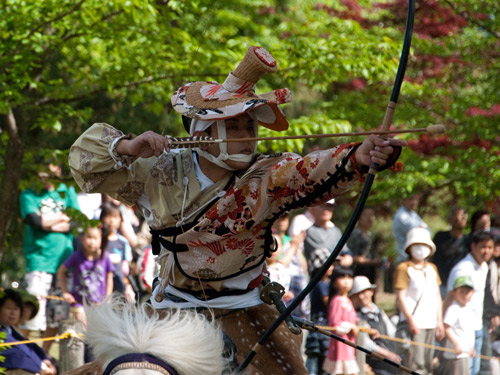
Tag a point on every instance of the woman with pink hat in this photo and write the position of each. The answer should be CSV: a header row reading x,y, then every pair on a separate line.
x,y
211,208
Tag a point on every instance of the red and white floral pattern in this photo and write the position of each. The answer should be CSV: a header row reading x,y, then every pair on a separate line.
x,y
265,56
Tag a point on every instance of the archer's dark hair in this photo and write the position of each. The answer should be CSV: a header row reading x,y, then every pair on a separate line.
x,y
13,296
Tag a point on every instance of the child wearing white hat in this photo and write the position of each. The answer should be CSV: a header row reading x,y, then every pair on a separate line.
x,y
418,299
361,296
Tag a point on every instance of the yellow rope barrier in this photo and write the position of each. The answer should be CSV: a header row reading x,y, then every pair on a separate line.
x,y
57,298
414,343
63,336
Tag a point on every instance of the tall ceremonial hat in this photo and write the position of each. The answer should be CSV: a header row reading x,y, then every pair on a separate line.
x,y
209,100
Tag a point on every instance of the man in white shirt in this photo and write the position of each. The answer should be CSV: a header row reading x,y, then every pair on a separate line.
x,y
475,265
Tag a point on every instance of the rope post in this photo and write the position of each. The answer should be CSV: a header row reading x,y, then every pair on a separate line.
x,y
72,349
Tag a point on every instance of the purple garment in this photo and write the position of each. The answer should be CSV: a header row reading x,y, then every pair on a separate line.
x,y
89,277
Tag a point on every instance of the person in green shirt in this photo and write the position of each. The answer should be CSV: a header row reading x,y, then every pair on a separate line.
x,y
47,242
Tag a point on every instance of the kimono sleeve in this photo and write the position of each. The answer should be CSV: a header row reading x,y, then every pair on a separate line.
x,y
293,181
97,168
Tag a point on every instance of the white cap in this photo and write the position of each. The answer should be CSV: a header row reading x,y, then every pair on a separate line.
x,y
361,283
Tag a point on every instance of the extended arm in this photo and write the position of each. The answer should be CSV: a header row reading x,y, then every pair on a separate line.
x,y
145,145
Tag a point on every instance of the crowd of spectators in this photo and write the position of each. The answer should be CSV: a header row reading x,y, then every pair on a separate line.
x,y
446,286
63,270
446,291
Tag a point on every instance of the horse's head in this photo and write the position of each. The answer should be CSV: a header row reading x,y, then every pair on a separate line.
x,y
127,340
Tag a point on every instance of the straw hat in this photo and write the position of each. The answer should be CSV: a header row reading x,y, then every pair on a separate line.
x,y
208,101
360,284
419,236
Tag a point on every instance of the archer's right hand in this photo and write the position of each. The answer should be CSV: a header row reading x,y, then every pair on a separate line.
x,y
146,145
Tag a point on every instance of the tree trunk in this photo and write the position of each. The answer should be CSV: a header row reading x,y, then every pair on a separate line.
x,y
10,179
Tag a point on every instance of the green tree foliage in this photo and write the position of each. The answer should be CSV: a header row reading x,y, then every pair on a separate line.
x,y
67,63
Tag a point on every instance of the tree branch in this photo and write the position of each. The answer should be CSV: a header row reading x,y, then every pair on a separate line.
x,y
15,51
54,19
150,79
12,174
472,20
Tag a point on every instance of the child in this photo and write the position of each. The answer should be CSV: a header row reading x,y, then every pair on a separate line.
x,y
317,343
459,332
22,358
418,299
341,358
92,273
362,298
118,249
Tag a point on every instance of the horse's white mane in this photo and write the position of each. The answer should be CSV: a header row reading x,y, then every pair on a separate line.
x,y
185,339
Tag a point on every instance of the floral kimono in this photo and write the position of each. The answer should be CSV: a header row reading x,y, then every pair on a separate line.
x,y
213,242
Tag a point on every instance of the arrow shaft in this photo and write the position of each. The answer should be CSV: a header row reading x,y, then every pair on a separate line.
x,y
195,141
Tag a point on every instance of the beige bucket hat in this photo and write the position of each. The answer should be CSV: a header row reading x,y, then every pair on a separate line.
x,y
419,236
214,101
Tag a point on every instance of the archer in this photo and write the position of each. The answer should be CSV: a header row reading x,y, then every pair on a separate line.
x,y
211,208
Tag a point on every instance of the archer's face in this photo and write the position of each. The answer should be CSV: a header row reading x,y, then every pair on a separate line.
x,y
242,126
